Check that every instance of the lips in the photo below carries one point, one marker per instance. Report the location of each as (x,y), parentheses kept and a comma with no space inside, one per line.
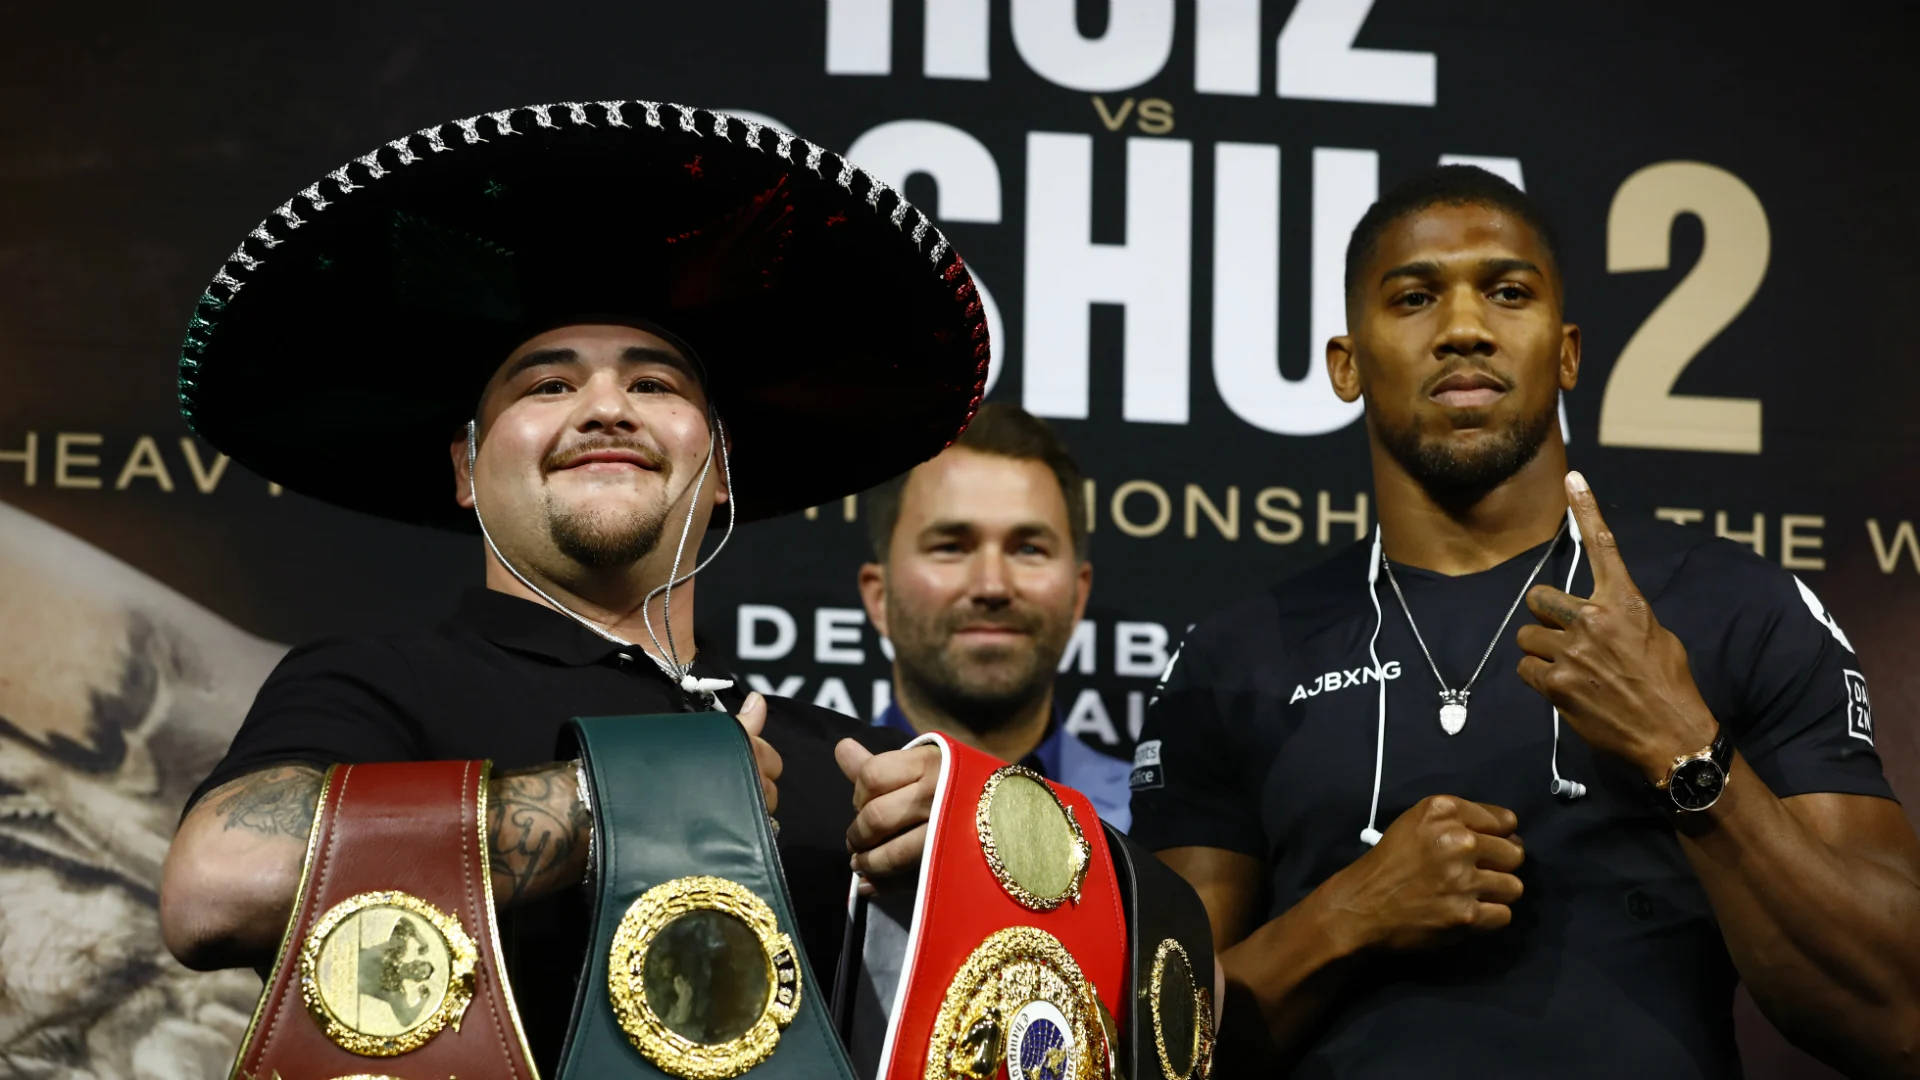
(1468,390)
(608,459)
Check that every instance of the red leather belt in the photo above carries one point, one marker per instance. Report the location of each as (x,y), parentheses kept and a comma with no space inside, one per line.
(390,966)
(1018,944)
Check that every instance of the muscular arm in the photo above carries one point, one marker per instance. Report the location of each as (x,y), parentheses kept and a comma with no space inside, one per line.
(1443,868)
(1819,899)
(230,877)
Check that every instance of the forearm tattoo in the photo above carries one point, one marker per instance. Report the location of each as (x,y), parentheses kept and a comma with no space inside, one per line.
(537,831)
(272,802)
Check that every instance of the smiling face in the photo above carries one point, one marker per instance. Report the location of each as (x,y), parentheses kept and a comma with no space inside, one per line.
(589,440)
(981,585)
(1458,346)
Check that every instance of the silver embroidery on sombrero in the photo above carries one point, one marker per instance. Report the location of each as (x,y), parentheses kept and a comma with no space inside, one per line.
(396,155)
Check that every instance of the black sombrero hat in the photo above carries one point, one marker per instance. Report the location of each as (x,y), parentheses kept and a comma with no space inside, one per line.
(345,342)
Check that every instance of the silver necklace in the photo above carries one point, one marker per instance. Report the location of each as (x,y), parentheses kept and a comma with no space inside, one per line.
(1453,703)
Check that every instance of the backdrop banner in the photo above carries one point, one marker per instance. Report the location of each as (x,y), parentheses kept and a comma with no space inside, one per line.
(1155,199)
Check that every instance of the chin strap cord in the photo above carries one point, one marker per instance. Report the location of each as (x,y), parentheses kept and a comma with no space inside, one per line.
(681,672)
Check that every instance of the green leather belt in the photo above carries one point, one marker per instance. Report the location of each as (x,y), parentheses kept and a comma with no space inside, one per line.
(695,968)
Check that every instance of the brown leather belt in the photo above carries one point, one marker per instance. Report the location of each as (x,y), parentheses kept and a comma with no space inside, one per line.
(390,966)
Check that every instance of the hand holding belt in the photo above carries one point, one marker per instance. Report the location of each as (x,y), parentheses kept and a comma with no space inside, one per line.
(695,968)
(390,966)
(1015,959)
(1169,1022)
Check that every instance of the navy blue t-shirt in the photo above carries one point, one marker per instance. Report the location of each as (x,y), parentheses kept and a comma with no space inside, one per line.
(1262,741)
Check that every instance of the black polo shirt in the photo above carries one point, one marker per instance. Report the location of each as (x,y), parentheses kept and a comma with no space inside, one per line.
(498,680)
(1262,741)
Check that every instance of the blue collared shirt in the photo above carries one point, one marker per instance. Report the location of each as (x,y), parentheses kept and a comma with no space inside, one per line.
(1063,758)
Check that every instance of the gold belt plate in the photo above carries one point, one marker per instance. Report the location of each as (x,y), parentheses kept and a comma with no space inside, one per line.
(383,972)
(702,979)
(1182,1014)
(1033,845)
(1020,998)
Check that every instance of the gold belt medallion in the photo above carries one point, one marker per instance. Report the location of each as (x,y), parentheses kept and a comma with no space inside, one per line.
(1032,843)
(1182,1013)
(383,972)
(702,979)
(1020,998)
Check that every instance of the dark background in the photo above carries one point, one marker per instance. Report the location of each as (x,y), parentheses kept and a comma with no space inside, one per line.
(142,141)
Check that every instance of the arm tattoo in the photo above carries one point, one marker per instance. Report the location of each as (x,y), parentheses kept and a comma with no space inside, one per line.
(272,802)
(536,832)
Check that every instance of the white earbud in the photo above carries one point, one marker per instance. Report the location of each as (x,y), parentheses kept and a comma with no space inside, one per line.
(1370,836)
(1568,789)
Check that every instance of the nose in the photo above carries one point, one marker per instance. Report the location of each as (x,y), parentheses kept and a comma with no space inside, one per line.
(988,585)
(603,404)
(1464,331)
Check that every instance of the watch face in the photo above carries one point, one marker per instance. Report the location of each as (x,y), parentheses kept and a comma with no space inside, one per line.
(1697,784)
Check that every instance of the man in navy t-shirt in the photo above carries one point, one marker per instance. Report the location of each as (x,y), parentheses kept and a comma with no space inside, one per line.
(1439,835)
(979,576)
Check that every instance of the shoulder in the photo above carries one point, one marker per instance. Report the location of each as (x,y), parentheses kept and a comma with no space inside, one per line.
(1274,620)
(1664,558)
(791,719)
(1677,566)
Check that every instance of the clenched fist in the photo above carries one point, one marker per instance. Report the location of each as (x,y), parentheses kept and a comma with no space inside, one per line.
(1445,866)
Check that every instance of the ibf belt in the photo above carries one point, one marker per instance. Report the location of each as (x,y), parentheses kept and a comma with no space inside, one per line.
(390,966)
(695,968)
(1168,1029)
(1013,960)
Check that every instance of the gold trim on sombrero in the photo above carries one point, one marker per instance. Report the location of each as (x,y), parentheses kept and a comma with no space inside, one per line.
(1199,1049)
(1012,969)
(1032,843)
(628,967)
(357,984)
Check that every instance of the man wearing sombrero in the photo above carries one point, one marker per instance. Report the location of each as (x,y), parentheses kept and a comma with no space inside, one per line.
(579,331)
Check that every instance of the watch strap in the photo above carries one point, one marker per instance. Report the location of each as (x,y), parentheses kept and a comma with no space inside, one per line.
(680,825)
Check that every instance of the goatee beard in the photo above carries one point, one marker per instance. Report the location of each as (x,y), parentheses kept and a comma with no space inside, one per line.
(1456,478)
(597,543)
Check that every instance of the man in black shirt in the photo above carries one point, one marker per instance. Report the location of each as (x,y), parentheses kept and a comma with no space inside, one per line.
(564,300)
(1433,845)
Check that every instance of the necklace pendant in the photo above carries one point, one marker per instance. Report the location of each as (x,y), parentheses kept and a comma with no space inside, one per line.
(1453,711)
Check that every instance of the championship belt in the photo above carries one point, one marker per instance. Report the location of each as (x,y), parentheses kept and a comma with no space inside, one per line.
(695,969)
(1169,1028)
(1010,958)
(390,967)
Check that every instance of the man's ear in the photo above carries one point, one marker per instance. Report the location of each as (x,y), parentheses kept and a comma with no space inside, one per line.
(462,485)
(721,492)
(873,593)
(1569,356)
(1082,589)
(1342,369)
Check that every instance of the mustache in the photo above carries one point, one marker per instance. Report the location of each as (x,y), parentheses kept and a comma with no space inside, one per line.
(560,458)
(1008,619)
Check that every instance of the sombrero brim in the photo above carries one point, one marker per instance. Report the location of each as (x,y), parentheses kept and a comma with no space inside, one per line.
(345,342)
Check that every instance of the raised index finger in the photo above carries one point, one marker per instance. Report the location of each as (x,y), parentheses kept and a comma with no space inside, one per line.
(1609,572)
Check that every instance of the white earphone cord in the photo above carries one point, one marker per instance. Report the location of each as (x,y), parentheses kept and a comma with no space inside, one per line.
(671,665)
(1561,787)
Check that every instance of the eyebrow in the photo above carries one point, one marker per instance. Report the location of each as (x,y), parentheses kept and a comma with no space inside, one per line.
(634,354)
(956,527)
(1427,268)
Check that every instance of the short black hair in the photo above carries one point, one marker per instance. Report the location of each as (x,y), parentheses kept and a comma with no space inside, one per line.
(1006,431)
(1444,185)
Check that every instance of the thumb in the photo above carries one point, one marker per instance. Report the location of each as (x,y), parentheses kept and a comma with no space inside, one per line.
(851,757)
(753,713)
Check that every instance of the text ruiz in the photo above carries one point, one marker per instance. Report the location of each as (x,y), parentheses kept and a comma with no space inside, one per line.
(1150,275)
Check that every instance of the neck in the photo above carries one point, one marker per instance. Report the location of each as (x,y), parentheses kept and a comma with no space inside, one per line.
(1465,537)
(614,600)
(1008,741)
